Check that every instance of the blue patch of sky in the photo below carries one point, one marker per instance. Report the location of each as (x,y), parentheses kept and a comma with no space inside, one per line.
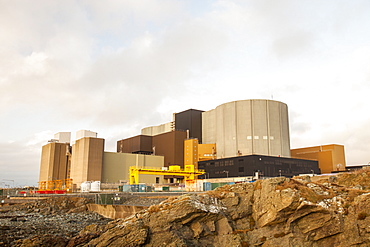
(199,8)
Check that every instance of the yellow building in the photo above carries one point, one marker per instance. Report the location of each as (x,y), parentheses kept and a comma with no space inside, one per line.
(194,152)
(330,157)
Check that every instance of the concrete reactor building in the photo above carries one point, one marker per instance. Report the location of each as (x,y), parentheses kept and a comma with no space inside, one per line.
(248,127)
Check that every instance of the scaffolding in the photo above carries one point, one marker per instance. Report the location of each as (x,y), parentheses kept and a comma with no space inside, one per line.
(55,186)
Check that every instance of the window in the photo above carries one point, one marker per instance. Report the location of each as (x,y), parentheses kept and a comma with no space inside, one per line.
(157,180)
(241,169)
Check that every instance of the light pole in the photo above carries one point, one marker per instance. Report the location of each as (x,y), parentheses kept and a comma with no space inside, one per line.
(9,180)
(279,173)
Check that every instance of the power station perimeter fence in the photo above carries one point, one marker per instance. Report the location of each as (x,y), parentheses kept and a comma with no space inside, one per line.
(108,199)
(15,192)
(135,188)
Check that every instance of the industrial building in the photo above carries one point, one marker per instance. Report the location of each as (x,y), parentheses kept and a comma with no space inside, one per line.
(116,167)
(331,157)
(264,166)
(235,139)
(195,152)
(54,161)
(248,127)
(190,121)
(87,160)
(168,144)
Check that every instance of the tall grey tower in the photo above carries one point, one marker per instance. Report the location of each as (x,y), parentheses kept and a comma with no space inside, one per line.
(248,127)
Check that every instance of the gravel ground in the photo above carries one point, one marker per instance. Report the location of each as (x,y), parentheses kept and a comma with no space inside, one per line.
(26,221)
(60,218)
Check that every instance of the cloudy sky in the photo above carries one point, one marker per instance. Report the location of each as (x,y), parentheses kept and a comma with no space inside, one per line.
(114,67)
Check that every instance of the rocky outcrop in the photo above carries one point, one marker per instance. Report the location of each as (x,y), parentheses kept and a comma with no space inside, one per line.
(269,213)
(115,211)
(273,212)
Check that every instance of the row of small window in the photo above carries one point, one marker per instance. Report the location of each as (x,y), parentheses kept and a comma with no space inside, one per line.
(221,172)
(223,163)
(257,137)
(205,155)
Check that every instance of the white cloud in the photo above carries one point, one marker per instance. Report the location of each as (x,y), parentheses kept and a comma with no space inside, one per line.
(117,66)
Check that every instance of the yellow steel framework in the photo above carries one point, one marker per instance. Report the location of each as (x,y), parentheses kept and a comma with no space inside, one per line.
(65,184)
(68,184)
(42,185)
(189,173)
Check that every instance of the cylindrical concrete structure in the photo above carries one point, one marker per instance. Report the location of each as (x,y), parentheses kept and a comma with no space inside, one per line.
(248,127)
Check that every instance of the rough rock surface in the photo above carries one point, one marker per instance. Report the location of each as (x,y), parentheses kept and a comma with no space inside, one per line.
(272,212)
(47,222)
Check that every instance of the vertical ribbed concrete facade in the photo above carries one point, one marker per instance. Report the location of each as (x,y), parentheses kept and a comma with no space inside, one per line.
(54,161)
(248,127)
(87,160)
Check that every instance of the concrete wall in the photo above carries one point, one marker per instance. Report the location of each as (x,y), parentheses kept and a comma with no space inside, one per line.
(115,211)
(248,127)
(54,161)
(156,130)
(85,133)
(330,157)
(87,160)
(116,167)
(63,137)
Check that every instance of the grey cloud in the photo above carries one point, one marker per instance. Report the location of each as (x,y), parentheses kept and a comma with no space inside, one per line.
(294,43)
(20,163)
(113,66)
(136,80)
(79,84)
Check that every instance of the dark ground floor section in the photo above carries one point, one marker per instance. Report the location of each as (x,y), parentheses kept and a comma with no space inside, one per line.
(268,166)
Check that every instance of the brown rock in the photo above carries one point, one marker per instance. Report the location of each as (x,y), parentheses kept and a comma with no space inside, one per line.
(272,212)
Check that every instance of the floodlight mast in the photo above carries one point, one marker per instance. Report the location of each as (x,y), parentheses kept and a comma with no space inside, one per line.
(9,180)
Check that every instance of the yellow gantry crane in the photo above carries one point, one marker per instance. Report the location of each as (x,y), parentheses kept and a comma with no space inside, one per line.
(190,173)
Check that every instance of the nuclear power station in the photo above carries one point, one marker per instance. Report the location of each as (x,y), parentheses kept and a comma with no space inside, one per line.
(236,141)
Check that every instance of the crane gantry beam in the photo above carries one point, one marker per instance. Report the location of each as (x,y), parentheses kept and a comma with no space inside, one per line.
(189,173)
